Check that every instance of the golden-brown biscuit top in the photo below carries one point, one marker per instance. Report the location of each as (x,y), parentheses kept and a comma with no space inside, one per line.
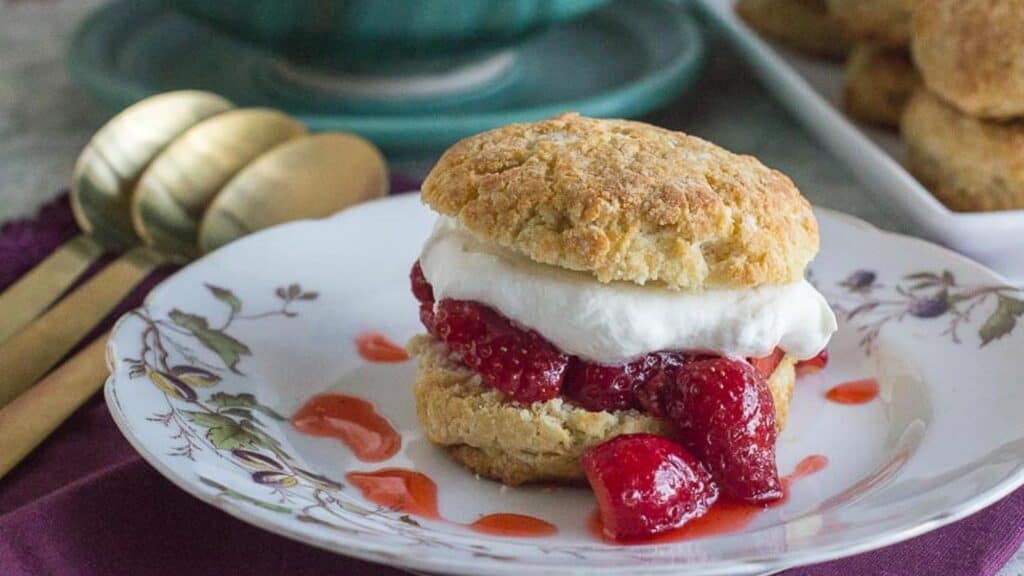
(971,53)
(627,201)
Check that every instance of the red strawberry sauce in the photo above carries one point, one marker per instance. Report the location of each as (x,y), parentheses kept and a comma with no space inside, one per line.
(357,424)
(854,392)
(414,493)
(353,421)
(376,347)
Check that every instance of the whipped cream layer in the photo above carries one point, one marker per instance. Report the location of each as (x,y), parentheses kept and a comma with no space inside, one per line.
(615,322)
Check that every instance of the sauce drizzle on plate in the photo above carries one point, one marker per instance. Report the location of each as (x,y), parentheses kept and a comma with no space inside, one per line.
(353,421)
(854,392)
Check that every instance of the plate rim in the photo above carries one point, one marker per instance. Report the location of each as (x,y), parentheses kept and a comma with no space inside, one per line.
(346,547)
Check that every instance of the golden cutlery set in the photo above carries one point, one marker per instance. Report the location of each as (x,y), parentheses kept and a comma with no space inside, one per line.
(167,180)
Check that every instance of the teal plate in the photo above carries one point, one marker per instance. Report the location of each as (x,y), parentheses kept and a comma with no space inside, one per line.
(621,60)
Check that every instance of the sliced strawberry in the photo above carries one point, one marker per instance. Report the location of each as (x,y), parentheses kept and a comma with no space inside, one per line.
(647,392)
(607,387)
(518,362)
(421,289)
(723,411)
(766,366)
(645,485)
(427,318)
(813,365)
(622,386)
(424,293)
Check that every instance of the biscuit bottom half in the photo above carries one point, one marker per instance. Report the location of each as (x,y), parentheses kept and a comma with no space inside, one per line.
(519,444)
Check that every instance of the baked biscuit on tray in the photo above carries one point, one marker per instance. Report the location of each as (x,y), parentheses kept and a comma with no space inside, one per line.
(878,83)
(971,53)
(803,25)
(967,163)
(882,22)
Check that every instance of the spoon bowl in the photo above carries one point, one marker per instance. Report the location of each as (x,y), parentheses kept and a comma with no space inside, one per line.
(309,177)
(179,184)
(110,165)
(101,188)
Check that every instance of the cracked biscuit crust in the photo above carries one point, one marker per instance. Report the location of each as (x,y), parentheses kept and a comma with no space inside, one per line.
(518,444)
(627,201)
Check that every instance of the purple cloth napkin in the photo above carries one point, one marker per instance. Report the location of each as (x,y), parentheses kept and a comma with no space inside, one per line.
(85,503)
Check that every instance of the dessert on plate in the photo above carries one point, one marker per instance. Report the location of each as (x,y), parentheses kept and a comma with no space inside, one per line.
(611,301)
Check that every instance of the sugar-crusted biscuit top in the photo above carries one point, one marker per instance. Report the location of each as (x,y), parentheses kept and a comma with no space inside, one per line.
(971,53)
(627,201)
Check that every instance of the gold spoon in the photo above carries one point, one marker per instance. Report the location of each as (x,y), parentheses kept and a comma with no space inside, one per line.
(308,177)
(101,185)
(168,199)
(359,173)
(311,177)
(174,192)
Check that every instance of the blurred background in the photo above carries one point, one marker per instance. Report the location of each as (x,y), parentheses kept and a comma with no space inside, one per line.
(412,85)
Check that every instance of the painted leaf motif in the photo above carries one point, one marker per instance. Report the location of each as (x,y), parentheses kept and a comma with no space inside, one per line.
(171,385)
(240,412)
(223,432)
(231,437)
(223,345)
(322,481)
(195,376)
(924,284)
(225,400)
(261,437)
(256,460)
(1002,320)
(243,400)
(228,492)
(274,478)
(226,296)
(207,419)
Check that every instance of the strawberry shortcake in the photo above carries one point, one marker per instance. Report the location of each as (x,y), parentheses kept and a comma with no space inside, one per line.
(606,291)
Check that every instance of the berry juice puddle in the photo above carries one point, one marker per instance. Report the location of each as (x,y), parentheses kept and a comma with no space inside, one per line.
(357,424)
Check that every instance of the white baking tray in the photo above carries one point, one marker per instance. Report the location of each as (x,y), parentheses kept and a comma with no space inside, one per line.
(811,88)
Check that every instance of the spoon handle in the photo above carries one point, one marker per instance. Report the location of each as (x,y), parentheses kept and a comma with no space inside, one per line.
(32,352)
(33,293)
(31,417)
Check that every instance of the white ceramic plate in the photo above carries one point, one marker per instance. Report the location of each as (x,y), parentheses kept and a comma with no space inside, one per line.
(812,90)
(270,321)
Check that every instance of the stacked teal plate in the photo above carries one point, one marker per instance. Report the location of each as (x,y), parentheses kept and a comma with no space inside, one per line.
(622,59)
